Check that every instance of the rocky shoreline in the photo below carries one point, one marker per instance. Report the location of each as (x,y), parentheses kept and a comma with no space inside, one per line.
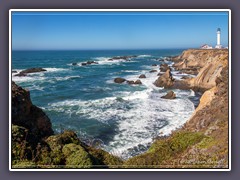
(201,143)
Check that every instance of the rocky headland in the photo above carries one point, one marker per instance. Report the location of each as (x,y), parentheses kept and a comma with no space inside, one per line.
(201,143)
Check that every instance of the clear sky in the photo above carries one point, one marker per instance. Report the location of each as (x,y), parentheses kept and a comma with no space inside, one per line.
(116,30)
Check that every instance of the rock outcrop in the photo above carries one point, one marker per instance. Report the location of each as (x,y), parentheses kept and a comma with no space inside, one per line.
(27,115)
(166,80)
(126,58)
(191,61)
(169,95)
(89,63)
(30,70)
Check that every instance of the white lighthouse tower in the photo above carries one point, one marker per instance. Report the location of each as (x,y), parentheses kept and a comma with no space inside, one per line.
(218,46)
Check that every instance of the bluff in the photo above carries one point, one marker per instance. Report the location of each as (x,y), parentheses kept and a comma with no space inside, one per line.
(206,64)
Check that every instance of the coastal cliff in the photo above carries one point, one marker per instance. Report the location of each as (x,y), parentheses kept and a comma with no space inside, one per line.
(203,141)
(34,144)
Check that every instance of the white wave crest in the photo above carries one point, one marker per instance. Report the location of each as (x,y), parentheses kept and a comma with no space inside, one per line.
(141,116)
(144,55)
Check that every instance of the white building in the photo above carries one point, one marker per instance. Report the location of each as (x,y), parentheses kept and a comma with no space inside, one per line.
(206,46)
(218,46)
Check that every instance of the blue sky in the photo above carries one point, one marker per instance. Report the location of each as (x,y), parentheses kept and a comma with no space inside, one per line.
(116,30)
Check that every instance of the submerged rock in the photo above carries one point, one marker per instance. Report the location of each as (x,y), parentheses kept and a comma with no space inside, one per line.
(169,95)
(153,71)
(74,64)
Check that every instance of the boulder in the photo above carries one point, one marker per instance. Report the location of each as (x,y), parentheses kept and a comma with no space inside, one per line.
(154,64)
(30,70)
(169,95)
(142,76)
(166,80)
(119,80)
(138,82)
(84,64)
(153,71)
(74,64)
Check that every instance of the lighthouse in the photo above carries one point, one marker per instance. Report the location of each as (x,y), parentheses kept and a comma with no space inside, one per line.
(218,46)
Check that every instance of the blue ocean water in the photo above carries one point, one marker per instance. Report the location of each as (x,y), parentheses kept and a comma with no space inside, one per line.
(123,118)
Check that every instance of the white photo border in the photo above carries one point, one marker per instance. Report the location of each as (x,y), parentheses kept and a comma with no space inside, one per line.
(121,10)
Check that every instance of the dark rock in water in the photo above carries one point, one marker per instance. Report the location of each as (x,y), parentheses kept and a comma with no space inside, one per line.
(14,71)
(30,70)
(25,114)
(74,64)
(153,71)
(89,63)
(130,82)
(138,82)
(119,80)
(164,67)
(166,80)
(142,76)
(127,58)
(160,59)
(92,62)
(169,95)
(154,64)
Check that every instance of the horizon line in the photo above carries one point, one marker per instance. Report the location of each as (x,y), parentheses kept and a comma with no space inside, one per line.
(102,49)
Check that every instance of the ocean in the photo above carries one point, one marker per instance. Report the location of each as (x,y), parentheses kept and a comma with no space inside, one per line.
(122,119)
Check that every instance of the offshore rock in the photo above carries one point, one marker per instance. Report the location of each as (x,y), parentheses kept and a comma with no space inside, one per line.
(166,80)
(119,80)
(169,95)
(30,70)
(142,76)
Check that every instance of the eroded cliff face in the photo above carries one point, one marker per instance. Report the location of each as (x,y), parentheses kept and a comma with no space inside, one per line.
(27,115)
(207,65)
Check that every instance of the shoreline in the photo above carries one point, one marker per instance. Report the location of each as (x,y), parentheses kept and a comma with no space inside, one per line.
(199,137)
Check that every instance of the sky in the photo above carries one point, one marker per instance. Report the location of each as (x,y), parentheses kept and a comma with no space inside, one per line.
(116,30)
